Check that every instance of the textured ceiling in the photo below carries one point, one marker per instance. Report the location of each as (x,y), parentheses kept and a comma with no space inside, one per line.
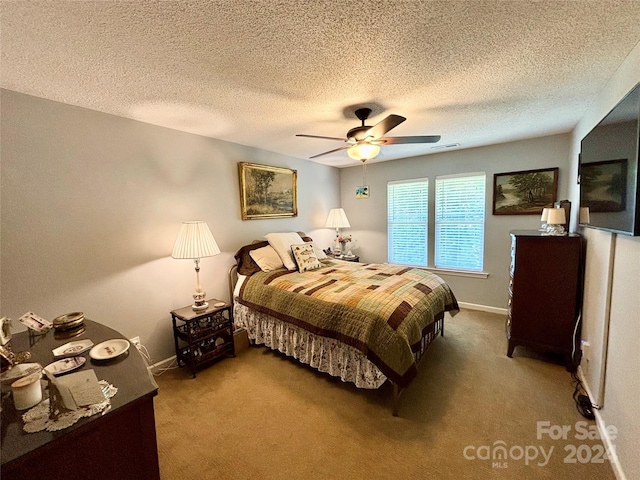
(258,72)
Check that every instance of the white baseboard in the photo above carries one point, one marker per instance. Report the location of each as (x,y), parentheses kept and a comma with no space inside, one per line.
(604,434)
(483,308)
(162,364)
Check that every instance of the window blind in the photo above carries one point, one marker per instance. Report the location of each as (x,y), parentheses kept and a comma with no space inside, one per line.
(407,221)
(459,221)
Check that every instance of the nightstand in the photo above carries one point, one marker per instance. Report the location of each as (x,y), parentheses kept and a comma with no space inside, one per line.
(353,258)
(201,337)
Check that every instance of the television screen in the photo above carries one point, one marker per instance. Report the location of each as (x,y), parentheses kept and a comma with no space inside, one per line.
(609,169)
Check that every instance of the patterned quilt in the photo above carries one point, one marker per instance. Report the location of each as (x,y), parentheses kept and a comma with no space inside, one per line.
(382,310)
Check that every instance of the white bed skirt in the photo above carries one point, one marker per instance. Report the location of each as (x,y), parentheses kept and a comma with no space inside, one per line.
(325,354)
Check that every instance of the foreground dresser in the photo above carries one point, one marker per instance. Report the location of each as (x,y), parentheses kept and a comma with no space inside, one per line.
(117,445)
(545,294)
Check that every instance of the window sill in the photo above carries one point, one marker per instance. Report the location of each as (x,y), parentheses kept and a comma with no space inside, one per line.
(458,273)
(449,271)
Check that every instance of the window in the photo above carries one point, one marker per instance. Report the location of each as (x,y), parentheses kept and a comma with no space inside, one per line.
(459,222)
(407,221)
(459,233)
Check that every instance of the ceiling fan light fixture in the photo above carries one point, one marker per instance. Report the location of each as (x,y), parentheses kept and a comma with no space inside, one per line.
(363,142)
(363,151)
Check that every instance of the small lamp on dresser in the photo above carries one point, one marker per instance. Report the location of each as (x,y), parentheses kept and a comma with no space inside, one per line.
(543,219)
(195,241)
(556,220)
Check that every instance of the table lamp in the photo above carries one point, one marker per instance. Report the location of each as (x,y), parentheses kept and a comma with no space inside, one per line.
(556,220)
(195,241)
(543,219)
(337,219)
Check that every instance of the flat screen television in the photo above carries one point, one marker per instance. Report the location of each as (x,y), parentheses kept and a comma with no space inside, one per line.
(609,170)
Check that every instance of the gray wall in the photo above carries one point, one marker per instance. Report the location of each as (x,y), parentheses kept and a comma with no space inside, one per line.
(92,204)
(368,216)
(611,368)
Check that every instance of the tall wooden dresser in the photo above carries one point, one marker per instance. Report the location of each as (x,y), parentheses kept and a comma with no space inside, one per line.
(545,294)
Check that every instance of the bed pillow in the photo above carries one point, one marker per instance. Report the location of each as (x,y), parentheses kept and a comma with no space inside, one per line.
(319,252)
(305,257)
(246,264)
(281,243)
(266,258)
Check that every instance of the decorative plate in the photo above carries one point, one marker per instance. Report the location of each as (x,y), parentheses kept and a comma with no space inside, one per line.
(68,320)
(109,349)
(69,333)
(73,348)
(65,365)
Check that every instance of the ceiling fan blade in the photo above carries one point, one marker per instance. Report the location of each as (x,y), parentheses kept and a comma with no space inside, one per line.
(318,136)
(332,151)
(386,124)
(415,139)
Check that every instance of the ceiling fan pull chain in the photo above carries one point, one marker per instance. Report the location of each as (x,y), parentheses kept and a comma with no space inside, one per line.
(364,173)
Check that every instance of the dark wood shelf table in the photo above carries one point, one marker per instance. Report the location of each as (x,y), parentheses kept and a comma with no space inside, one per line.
(203,337)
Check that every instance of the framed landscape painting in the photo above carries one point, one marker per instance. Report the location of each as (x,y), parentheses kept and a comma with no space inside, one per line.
(524,193)
(267,192)
(603,185)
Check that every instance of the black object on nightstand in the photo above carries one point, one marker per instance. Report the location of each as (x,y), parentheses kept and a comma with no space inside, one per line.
(201,337)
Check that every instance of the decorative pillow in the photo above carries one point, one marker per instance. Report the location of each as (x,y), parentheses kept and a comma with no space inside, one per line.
(305,257)
(266,258)
(281,243)
(246,264)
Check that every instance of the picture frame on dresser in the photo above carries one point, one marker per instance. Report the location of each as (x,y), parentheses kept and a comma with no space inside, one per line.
(525,192)
(267,191)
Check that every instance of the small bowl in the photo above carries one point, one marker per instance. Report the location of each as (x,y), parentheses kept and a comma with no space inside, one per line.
(68,321)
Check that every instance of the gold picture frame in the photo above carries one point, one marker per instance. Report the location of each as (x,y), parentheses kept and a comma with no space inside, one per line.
(525,192)
(267,192)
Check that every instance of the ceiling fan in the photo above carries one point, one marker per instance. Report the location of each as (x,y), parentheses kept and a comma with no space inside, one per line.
(364,141)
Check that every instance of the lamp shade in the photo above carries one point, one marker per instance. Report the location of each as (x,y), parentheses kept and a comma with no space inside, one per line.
(556,216)
(337,219)
(545,215)
(585,217)
(363,151)
(195,241)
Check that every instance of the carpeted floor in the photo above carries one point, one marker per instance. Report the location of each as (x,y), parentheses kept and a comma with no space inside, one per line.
(263,416)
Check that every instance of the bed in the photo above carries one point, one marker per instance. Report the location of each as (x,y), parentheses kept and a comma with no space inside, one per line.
(364,323)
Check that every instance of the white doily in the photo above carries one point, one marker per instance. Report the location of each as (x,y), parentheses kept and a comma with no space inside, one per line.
(37,419)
